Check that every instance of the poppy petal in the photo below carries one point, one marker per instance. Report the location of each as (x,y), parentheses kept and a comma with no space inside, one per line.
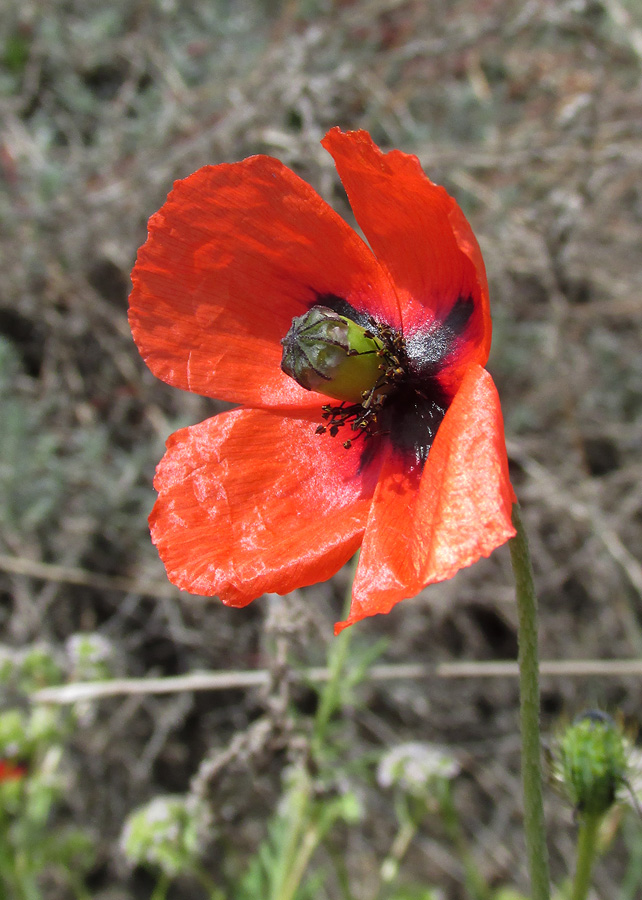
(234,254)
(420,235)
(11,771)
(424,527)
(253,502)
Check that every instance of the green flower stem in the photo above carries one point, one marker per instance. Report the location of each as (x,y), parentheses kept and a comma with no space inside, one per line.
(289,849)
(308,845)
(25,878)
(213,892)
(303,834)
(389,870)
(162,887)
(331,693)
(330,698)
(534,824)
(586,853)
(475,883)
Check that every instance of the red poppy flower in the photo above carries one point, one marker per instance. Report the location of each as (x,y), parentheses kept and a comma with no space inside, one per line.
(11,771)
(256,500)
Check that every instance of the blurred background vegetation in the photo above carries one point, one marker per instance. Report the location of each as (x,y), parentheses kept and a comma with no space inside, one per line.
(530,113)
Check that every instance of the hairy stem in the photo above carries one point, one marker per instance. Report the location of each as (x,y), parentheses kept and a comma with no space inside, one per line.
(586,853)
(534,824)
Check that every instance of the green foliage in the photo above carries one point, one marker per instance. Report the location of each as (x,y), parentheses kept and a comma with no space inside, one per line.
(165,834)
(16,53)
(33,738)
(30,845)
(37,668)
(264,875)
(13,733)
(509,894)
(415,892)
(90,656)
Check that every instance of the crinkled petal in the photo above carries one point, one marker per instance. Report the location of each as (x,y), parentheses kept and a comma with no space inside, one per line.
(420,235)
(425,526)
(253,502)
(234,254)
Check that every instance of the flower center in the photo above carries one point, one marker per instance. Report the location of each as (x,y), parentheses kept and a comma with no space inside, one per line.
(360,366)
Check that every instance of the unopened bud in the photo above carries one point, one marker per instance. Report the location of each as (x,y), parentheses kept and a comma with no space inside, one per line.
(593,762)
(331,354)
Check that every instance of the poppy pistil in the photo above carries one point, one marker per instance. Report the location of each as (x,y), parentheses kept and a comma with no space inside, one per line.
(330,353)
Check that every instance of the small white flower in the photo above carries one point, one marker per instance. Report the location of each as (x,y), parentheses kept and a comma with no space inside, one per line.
(158,810)
(165,833)
(88,649)
(414,765)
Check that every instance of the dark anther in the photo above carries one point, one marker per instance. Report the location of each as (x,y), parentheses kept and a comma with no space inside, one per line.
(395,400)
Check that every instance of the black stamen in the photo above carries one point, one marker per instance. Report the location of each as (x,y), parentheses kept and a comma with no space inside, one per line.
(407,404)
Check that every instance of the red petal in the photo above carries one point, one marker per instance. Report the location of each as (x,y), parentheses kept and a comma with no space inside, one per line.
(252,502)
(419,234)
(237,251)
(10,771)
(423,529)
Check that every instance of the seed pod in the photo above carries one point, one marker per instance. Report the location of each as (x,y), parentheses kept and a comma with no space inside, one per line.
(329,353)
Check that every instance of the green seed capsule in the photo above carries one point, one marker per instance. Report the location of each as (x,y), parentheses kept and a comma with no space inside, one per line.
(331,354)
